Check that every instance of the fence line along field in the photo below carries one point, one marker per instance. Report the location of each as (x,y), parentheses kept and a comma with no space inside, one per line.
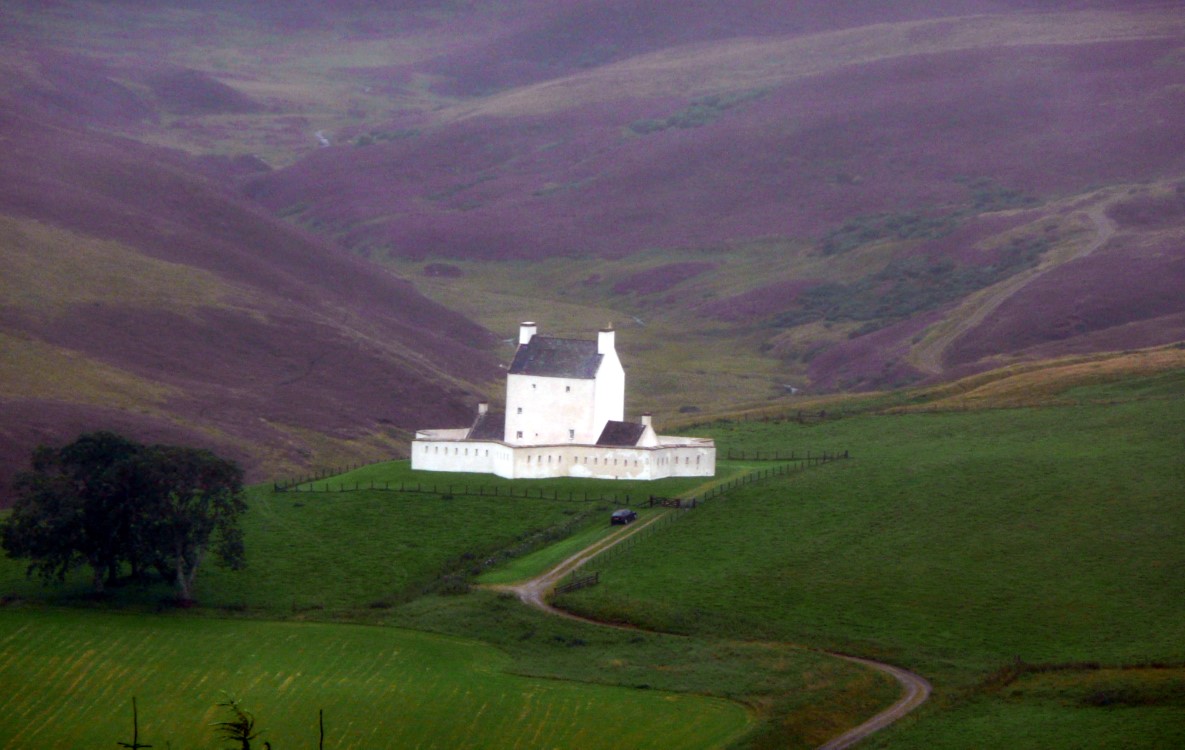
(72,676)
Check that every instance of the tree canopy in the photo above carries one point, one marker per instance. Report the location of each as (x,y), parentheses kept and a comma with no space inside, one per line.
(105,501)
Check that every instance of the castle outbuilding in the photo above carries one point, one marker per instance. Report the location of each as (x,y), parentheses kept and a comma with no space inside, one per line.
(565,417)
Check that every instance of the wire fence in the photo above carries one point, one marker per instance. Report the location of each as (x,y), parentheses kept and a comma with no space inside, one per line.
(458,490)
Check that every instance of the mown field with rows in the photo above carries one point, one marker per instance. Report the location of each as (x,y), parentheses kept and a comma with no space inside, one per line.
(71,677)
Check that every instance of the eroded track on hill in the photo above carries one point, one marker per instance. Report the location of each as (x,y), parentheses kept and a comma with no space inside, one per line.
(928,355)
(536,591)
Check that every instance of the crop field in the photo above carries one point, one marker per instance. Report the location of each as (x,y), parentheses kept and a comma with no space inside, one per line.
(954,544)
(378,687)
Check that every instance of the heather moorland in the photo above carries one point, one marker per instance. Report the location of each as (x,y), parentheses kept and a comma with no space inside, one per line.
(947,238)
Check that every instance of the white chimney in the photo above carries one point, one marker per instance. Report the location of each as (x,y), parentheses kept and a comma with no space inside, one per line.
(647,420)
(526,331)
(483,408)
(605,340)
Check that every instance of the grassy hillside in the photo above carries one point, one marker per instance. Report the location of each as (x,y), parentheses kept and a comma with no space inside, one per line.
(956,543)
(1020,557)
(385,558)
(142,295)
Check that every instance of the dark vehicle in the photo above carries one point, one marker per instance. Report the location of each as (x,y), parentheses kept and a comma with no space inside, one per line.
(622,517)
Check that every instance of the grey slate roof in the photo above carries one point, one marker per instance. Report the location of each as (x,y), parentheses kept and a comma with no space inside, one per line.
(557,358)
(621,433)
(488,426)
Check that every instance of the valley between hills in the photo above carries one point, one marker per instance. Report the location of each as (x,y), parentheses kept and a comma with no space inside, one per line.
(947,237)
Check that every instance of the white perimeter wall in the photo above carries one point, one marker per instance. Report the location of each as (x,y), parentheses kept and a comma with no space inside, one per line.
(674,457)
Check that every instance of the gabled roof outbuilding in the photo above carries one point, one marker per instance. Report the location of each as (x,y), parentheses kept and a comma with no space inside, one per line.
(621,434)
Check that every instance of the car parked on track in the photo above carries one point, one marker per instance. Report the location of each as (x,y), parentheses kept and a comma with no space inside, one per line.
(622,517)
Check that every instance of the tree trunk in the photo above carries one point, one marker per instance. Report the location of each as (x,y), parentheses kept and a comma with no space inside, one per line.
(183,593)
(193,569)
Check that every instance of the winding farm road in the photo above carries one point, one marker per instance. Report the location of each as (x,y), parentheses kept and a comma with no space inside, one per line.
(535,592)
(927,355)
(917,691)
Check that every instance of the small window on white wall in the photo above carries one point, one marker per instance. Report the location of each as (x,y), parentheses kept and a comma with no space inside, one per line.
(520,411)
(567,389)
(571,434)
(518,434)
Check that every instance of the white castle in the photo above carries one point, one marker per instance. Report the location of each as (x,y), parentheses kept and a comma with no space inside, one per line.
(565,417)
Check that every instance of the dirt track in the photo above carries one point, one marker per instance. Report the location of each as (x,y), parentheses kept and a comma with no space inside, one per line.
(917,691)
(927,355)
(534,593)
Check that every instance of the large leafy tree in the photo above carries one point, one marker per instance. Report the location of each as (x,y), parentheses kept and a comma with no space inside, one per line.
(192,502)
(68,510)
(106,501)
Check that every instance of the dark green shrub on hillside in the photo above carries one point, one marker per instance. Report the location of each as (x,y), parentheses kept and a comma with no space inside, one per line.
(906,286)
(700,112)
(862,230)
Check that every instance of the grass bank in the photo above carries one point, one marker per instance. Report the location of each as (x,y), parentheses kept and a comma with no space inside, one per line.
(952,543)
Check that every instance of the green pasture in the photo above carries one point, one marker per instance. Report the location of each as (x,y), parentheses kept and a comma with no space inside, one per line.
(72,676)
(1085,710)
(543,560)
(353,554)
(801,698)
(952,543)
(375,556)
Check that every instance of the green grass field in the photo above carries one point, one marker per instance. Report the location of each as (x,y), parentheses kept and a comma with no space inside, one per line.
(372,556)
(75,674)
(951,544)
(348,555)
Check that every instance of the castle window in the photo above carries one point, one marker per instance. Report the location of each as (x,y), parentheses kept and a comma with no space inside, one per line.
(519,434)
(520,410)
(567,389)
(571,434)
